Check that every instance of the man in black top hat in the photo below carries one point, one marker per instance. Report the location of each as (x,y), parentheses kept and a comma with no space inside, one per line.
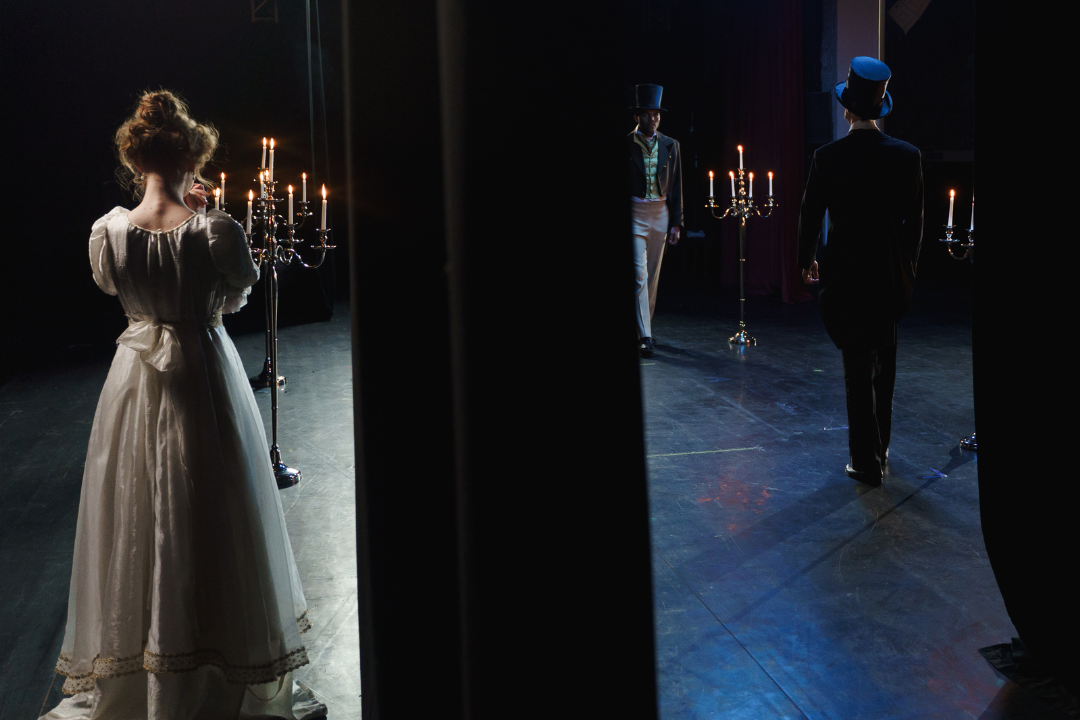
(655,202)
(872,186)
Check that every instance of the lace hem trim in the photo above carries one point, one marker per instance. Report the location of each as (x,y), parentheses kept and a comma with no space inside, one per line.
(178,663)
(183,662)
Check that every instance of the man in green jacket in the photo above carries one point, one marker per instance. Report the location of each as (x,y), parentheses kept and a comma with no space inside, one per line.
(655,202)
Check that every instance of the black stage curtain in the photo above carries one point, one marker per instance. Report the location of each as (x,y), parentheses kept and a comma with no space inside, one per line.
(502,518)
(1024,403)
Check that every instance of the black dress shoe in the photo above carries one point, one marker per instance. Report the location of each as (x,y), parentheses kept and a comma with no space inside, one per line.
(646,347)
(864,476)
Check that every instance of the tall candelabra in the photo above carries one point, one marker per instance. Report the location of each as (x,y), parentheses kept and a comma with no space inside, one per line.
(267,249)
(952,244)
(742,208)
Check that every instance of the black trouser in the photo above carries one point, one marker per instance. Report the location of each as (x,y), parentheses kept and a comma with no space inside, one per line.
(869,377)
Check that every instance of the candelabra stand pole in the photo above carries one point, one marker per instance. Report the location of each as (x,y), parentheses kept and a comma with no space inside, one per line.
(286,476)
(262,380)
(969,443)
(742,337)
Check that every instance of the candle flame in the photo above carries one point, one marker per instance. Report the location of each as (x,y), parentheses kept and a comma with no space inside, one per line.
(952,193)
(217,192)
(222,177)
(271,143)
(770,174)
(264,142)
(731,174)
(304,175)
(739,148)
(710,175)
(324,192)
(751,176)
(251,195)
(290,189)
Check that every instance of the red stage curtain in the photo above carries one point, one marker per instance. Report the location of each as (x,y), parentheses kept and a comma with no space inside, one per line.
(761,82)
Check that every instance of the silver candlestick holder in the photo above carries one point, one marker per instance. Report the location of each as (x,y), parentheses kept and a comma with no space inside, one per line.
(268,250)
(960,250)
(742,208)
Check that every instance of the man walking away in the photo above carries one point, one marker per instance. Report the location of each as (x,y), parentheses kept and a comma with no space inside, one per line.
(872,186)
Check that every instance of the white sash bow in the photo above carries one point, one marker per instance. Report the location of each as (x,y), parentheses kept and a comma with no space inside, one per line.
(156,342)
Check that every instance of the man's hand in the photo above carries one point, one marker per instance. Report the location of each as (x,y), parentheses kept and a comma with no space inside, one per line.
(810,274)
(673,235)
(197,198)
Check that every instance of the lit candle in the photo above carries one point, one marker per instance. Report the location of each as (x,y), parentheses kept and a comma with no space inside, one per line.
(770,183)
(251,196)
(731,174)
(304,197)
(952,197)
(223,186)
(262,184)
(290,205)
(323,228)
(217,198)
(740,157)
(751,185)
(710,183)
(972,228)
(270,175)
(262,163)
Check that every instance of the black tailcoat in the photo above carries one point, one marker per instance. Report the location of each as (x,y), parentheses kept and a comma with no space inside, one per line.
(668,174)
(872,186)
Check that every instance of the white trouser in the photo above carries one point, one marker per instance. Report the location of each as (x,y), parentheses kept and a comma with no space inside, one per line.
(650,227)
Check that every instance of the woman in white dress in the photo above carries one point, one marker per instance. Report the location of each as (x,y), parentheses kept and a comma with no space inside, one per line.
(184,590)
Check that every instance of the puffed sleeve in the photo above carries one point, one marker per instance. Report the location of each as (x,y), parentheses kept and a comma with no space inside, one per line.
(232,258)
(101,261)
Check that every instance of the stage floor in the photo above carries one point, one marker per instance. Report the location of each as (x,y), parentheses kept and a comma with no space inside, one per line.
(783,589)
(45,419)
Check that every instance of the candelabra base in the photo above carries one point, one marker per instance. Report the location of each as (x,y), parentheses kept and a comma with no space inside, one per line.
(284,475)
(262,380)
(742,338)
(969,444)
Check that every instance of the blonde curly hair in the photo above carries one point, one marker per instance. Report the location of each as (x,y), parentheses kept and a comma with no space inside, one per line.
(160,134)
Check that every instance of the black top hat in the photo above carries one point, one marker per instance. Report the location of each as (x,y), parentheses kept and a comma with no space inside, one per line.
(647,97)
(864,91)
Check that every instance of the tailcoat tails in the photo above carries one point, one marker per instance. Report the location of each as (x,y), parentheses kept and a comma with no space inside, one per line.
(872,186)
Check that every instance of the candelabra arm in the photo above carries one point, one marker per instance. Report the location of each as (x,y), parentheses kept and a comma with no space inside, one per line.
(322,246)
(951,243)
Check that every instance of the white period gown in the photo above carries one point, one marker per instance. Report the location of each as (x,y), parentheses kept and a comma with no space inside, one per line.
(183,574)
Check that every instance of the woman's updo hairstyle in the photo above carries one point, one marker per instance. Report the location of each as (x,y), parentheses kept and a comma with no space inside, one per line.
(161,136)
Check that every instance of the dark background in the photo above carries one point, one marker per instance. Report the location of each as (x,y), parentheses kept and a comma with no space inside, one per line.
(751,74)
(73,72)
(732,72)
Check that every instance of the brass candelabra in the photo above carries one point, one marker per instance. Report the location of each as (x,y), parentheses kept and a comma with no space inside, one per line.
(742,208)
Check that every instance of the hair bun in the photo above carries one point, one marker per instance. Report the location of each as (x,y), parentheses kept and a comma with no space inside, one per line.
(160,134)
(157,109)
